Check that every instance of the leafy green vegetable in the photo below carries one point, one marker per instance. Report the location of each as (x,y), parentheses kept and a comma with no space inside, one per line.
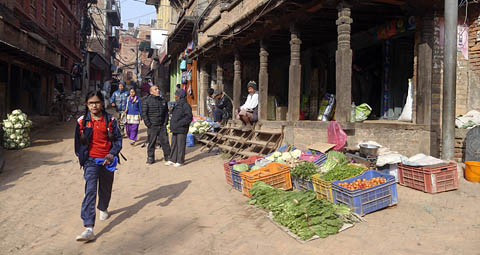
(300,211)
(241,167)
(337,156)
(341,172)
(304,170)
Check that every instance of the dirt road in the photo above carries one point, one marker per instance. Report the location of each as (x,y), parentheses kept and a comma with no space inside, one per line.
(191,210)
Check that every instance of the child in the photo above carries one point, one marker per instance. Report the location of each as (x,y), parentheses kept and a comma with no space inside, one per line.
(179,124)
(97,144)
(133,110)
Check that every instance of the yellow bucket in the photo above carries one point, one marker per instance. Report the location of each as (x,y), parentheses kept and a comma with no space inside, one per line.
(472,171)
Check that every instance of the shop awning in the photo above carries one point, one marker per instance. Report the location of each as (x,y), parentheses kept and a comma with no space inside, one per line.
(98,61)
(183,30)
(17,53)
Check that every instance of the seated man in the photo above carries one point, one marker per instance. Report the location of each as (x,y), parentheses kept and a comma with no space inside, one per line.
(248,112)
(210,102)
(223,108)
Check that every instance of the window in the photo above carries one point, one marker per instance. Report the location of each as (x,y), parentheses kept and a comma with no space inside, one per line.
(44,8)
(71,35)
(33,7)
(62,18)
(148,37)
(54,17)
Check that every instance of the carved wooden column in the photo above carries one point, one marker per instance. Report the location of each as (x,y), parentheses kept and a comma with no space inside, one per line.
(237,81)
(343,65)
(203,89)
(263,83)
(219,75)
(424,71)
(295,76)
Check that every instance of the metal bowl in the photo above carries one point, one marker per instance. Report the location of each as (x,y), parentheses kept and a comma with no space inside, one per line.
(369,150)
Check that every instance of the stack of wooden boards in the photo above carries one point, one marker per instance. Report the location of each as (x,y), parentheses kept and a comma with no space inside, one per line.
(243,144)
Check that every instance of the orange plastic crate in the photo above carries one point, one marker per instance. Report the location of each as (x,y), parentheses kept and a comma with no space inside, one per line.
(275,174)
(429,179)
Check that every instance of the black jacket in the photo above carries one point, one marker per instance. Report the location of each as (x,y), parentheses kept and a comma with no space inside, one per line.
(225,104)
(181,117)
(154,111)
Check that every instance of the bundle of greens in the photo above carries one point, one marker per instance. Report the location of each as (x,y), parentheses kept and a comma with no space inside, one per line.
(300,211)
(342,171)
(333,159)
(304,170)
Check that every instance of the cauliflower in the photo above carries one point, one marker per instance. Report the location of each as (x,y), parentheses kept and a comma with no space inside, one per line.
(7,124)
(296,153)
(13,136)
(18,125)
(17,112)
(277,154)
(286,156)
(22,118)
(192,130)
(270,158)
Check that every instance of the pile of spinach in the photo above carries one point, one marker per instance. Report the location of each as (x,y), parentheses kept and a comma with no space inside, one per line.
(300,211)
(304,170)
(342,171)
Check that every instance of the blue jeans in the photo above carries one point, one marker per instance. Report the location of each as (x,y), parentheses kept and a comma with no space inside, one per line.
(217,115)
(94,174)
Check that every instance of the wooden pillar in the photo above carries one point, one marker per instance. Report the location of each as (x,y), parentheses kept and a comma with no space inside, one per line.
(203,90)
(343,65)
(219,75)
(263,83)
(295,76)
(424,72)
(8,106)
(237,81)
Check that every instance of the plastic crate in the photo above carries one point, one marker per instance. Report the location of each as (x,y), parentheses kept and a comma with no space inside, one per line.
(322,188)
(236,180)
(363,201)
(228,172)
(275,174)
(301,184)
(429,179)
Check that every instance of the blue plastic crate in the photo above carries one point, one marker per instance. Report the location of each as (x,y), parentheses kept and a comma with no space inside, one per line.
(236,180)
(364,201)
(320,160)
(301,184)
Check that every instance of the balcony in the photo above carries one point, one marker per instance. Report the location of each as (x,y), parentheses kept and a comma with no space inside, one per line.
(113,15)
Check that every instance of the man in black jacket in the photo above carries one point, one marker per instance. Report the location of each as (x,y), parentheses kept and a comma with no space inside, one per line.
(223,108)
(155,116)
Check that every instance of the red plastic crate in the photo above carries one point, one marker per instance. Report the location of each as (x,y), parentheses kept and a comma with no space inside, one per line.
(228,172)
(429,179)
(228,169)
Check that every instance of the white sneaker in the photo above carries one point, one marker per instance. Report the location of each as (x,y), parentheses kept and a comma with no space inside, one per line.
(177,165)
(86,236)
(169,163)
(103,215)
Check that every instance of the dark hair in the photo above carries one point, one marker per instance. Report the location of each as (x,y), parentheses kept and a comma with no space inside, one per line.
(133,90)
(178,86)
(91,94)
(210,91)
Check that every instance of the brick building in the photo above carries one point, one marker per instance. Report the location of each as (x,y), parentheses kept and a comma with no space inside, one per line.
(298,51)
(134,52)
(102,43)
(39,44)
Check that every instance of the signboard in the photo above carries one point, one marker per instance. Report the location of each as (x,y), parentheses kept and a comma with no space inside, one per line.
(157,37)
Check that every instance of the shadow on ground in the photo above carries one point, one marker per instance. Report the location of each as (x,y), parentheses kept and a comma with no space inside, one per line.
(170,192)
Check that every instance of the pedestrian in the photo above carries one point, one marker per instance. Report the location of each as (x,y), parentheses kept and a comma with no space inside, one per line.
(107,86)
(145,89)
(179,124)
(133,111)
(248,112)
(155,116)
(97,144)
(119,102)
(223,108)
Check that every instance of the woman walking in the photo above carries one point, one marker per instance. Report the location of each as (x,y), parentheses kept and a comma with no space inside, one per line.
(179,124)
(97,144)
(134,111)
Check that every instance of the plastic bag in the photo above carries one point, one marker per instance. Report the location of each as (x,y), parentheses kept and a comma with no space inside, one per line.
(362,112)
(407,109)
(190,140)
(336,135)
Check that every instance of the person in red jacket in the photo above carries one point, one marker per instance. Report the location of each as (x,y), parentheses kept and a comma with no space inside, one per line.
(98,142)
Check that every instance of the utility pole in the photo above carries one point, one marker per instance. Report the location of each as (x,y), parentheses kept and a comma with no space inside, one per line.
(449,79)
